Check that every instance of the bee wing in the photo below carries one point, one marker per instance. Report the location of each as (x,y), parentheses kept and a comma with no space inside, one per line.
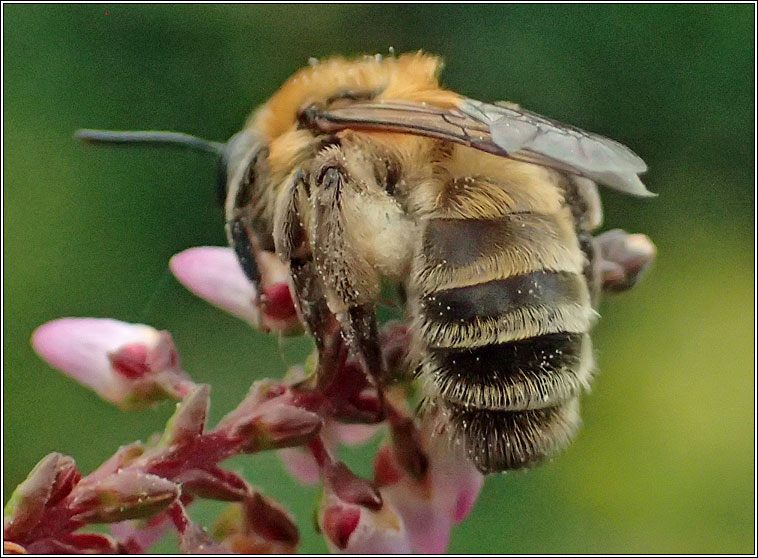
(501,129)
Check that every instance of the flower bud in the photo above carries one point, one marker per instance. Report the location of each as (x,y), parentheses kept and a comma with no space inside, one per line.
(213,483)
(270,522)
(338,523)
(276,423)
(188,421)
(213,273)
(131,365)
(362,523)
(76,543)
(66,478)
(349,488)
(27,503)
(623,258)
(123,495)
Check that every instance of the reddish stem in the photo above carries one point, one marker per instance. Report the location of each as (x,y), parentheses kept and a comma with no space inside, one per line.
(319,451)
(178,517)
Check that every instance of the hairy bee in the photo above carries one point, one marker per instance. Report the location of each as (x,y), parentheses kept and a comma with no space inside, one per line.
(361,171)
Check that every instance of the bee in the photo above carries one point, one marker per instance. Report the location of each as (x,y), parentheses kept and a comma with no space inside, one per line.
(363,171)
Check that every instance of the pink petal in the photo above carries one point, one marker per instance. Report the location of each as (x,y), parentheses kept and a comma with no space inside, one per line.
(427,524)
(457,482)
(131,365)
(355,434)
(339,523)
(214,274)
(429,506)
(465,503)
(141,533)
(301,464)
(380,532)
(354,529)
(80,347)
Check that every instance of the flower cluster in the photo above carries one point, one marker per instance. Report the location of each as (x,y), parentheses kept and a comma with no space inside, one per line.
(421,487)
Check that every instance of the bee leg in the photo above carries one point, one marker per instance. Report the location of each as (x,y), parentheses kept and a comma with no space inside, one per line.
(349,280)
(245,245)
(622,258)
(292,246)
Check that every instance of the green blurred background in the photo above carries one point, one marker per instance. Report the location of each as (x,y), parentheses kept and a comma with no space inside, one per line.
(665,460)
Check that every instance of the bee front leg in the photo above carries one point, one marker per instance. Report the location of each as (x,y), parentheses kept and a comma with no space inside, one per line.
(292,247)
(349,280)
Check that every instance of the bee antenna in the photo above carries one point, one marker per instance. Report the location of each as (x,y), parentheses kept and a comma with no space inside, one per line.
(155,137)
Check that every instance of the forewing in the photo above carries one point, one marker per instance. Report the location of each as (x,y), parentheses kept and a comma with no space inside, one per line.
(528,136)
(503,129)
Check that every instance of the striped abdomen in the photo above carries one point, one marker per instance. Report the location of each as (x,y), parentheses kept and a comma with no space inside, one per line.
(502,311)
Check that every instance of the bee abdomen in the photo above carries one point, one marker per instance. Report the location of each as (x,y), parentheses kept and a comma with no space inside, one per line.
(518,307)
(530,373)
(505,440)
(502,309)
(466,251)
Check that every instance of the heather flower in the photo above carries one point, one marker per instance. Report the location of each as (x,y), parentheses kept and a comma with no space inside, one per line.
(126,494)
(27,504)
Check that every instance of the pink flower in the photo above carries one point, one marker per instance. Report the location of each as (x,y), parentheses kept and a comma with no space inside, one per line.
(300,462)
(214,274)
(431,501)
(354,518)
(131,365)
